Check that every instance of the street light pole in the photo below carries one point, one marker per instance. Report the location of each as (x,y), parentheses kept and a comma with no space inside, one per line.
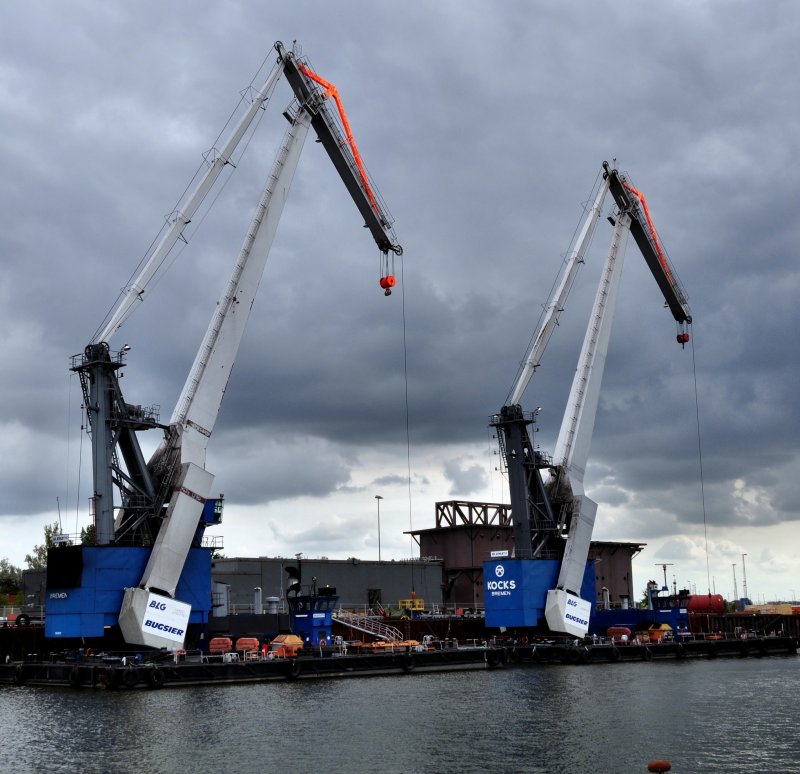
(379,498)
(744,578)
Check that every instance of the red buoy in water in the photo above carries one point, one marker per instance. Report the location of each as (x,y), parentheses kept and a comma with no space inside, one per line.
(660,766)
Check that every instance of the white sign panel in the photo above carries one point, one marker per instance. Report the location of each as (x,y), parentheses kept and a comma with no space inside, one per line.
(153,620)
(499,554)
(564,612)
(166,618)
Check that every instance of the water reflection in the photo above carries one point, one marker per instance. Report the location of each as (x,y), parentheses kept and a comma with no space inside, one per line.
(733,715)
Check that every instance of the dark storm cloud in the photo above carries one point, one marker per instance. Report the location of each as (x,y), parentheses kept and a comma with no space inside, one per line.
(391,481)
(484,127)
(466,479)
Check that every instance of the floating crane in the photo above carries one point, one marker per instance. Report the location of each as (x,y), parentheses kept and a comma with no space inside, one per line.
(165,502)
(552,517)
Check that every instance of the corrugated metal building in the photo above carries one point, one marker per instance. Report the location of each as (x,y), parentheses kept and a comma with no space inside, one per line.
(359,584)
(449,572)
(466,534)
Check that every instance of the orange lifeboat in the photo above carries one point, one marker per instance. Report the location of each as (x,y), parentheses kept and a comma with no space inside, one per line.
(220,645)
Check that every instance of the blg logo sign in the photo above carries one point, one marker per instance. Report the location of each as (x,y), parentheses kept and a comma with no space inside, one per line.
(500,587)
(166,618)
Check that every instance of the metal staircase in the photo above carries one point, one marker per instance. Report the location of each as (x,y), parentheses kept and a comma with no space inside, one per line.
(368,625)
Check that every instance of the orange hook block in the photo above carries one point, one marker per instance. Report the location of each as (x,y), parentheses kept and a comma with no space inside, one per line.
(387,283)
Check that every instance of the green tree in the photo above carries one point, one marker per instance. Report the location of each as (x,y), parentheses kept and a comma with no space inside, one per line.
(10,578)
(88,535)
(37,559)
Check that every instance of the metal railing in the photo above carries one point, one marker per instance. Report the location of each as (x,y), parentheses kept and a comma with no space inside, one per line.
(369,625)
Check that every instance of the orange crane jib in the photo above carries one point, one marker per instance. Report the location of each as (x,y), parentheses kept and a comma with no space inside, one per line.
(662,260)
(332,91)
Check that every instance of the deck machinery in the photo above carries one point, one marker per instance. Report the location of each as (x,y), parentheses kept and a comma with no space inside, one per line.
(552,516)
(149,569)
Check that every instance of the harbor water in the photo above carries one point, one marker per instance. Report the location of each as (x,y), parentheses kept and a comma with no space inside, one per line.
(723,715)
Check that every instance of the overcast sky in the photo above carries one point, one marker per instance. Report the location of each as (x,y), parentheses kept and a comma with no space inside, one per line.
(484,125)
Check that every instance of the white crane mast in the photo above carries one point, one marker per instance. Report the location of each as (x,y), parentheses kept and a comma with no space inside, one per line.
(184,215)
(575,437)
(199,404)
(556,303)
(202,393)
